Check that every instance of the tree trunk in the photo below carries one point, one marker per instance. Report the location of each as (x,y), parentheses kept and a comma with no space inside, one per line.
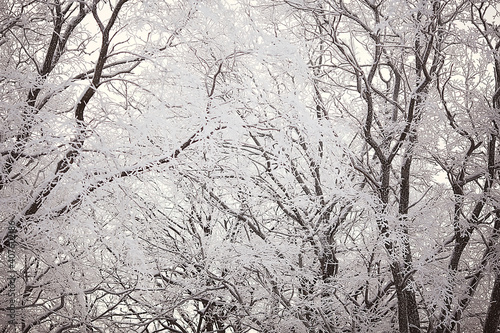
(493,316)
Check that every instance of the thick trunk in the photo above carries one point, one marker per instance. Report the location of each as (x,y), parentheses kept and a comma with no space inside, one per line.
(404,204)
(402,298)
(493,316)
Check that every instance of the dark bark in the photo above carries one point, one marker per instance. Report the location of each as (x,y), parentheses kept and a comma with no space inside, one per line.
(493,316)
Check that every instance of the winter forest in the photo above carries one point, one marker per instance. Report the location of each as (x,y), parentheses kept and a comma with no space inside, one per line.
(255,166)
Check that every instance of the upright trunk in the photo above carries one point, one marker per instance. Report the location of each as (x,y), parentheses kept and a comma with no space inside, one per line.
(408,318)
(493,315)
(404,204)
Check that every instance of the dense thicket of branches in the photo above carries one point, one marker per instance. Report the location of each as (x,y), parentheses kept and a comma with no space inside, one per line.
(237,166)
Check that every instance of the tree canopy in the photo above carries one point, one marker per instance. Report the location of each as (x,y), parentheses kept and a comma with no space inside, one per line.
(231,166)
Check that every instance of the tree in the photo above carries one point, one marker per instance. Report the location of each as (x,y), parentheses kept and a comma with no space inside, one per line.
(395,57)
(279,166)
(72,135)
